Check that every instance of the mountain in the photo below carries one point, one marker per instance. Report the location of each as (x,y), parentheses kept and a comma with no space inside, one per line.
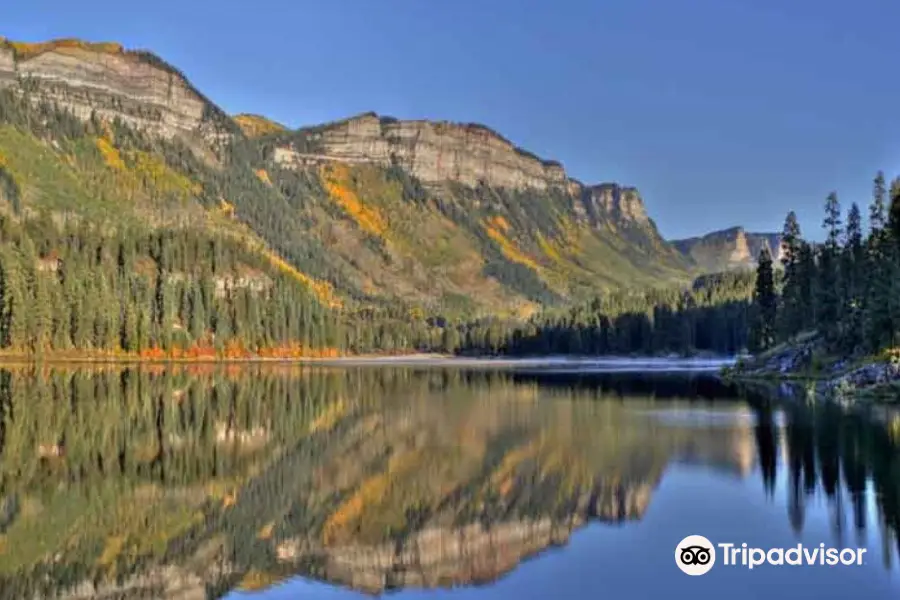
(441,211)
(728,249)
(428,216)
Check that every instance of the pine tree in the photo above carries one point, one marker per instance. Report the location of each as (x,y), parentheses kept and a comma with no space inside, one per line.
(877,215)
(894,217)
(807,275)
(877,322)
(791,314)
(852,286)
(197,320)
(829,297)
(762,335)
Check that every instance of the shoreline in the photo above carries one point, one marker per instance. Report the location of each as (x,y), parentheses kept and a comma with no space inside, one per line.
(845,380)
(550,360)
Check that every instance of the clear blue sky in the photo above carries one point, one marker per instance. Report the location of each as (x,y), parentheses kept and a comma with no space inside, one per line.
(722,112)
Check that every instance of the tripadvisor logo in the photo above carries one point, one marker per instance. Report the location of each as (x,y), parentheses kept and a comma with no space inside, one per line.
(696,555)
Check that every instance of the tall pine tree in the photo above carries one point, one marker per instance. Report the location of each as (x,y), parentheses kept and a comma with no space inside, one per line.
(792,309)
(877,323)
(852,285)
(765,305)
(829,296)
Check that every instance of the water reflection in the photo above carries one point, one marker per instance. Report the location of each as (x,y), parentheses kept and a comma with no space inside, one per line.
(147,483)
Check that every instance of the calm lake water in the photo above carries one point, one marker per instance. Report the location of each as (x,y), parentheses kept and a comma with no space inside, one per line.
(263,483)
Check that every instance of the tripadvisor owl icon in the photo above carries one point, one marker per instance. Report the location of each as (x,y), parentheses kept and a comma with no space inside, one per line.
(695,555)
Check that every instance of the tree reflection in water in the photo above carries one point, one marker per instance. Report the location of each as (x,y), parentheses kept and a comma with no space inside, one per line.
(205,478)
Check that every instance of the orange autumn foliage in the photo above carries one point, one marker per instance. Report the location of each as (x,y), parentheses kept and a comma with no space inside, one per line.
(263,176)
(509,249)
(500,223)
(234,350)
(110,154)
(25,50)
(336,179)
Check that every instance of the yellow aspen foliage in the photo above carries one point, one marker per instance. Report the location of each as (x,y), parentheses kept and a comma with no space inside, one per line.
(257,126)
(155,172)
(336,179)
(111,550)
(548,249)
(110,154)
(227,208)
(322,289)
(509,249)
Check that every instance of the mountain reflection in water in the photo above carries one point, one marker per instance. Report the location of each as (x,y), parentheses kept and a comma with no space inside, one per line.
(190,482)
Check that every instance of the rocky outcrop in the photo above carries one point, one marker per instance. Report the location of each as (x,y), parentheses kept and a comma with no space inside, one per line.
(107,81)
(615,202)
(808,371)
(728,249)
(7,65)
(432,151)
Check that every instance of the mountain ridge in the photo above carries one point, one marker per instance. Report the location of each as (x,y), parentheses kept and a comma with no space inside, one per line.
(730,248)
(421,213)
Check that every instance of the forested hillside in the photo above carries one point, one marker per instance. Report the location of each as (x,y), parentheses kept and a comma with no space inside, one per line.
(138,219)
(437,217)
(843,293)
(712,316)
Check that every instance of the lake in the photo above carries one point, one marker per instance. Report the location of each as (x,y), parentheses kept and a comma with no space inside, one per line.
(265,482)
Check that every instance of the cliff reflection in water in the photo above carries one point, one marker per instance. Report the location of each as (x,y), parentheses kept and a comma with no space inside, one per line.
(146,483)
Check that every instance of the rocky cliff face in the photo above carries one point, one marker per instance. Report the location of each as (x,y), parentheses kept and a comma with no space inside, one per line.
(438,152)
(107,81)
(432,151)
(729,249)
(614,202)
